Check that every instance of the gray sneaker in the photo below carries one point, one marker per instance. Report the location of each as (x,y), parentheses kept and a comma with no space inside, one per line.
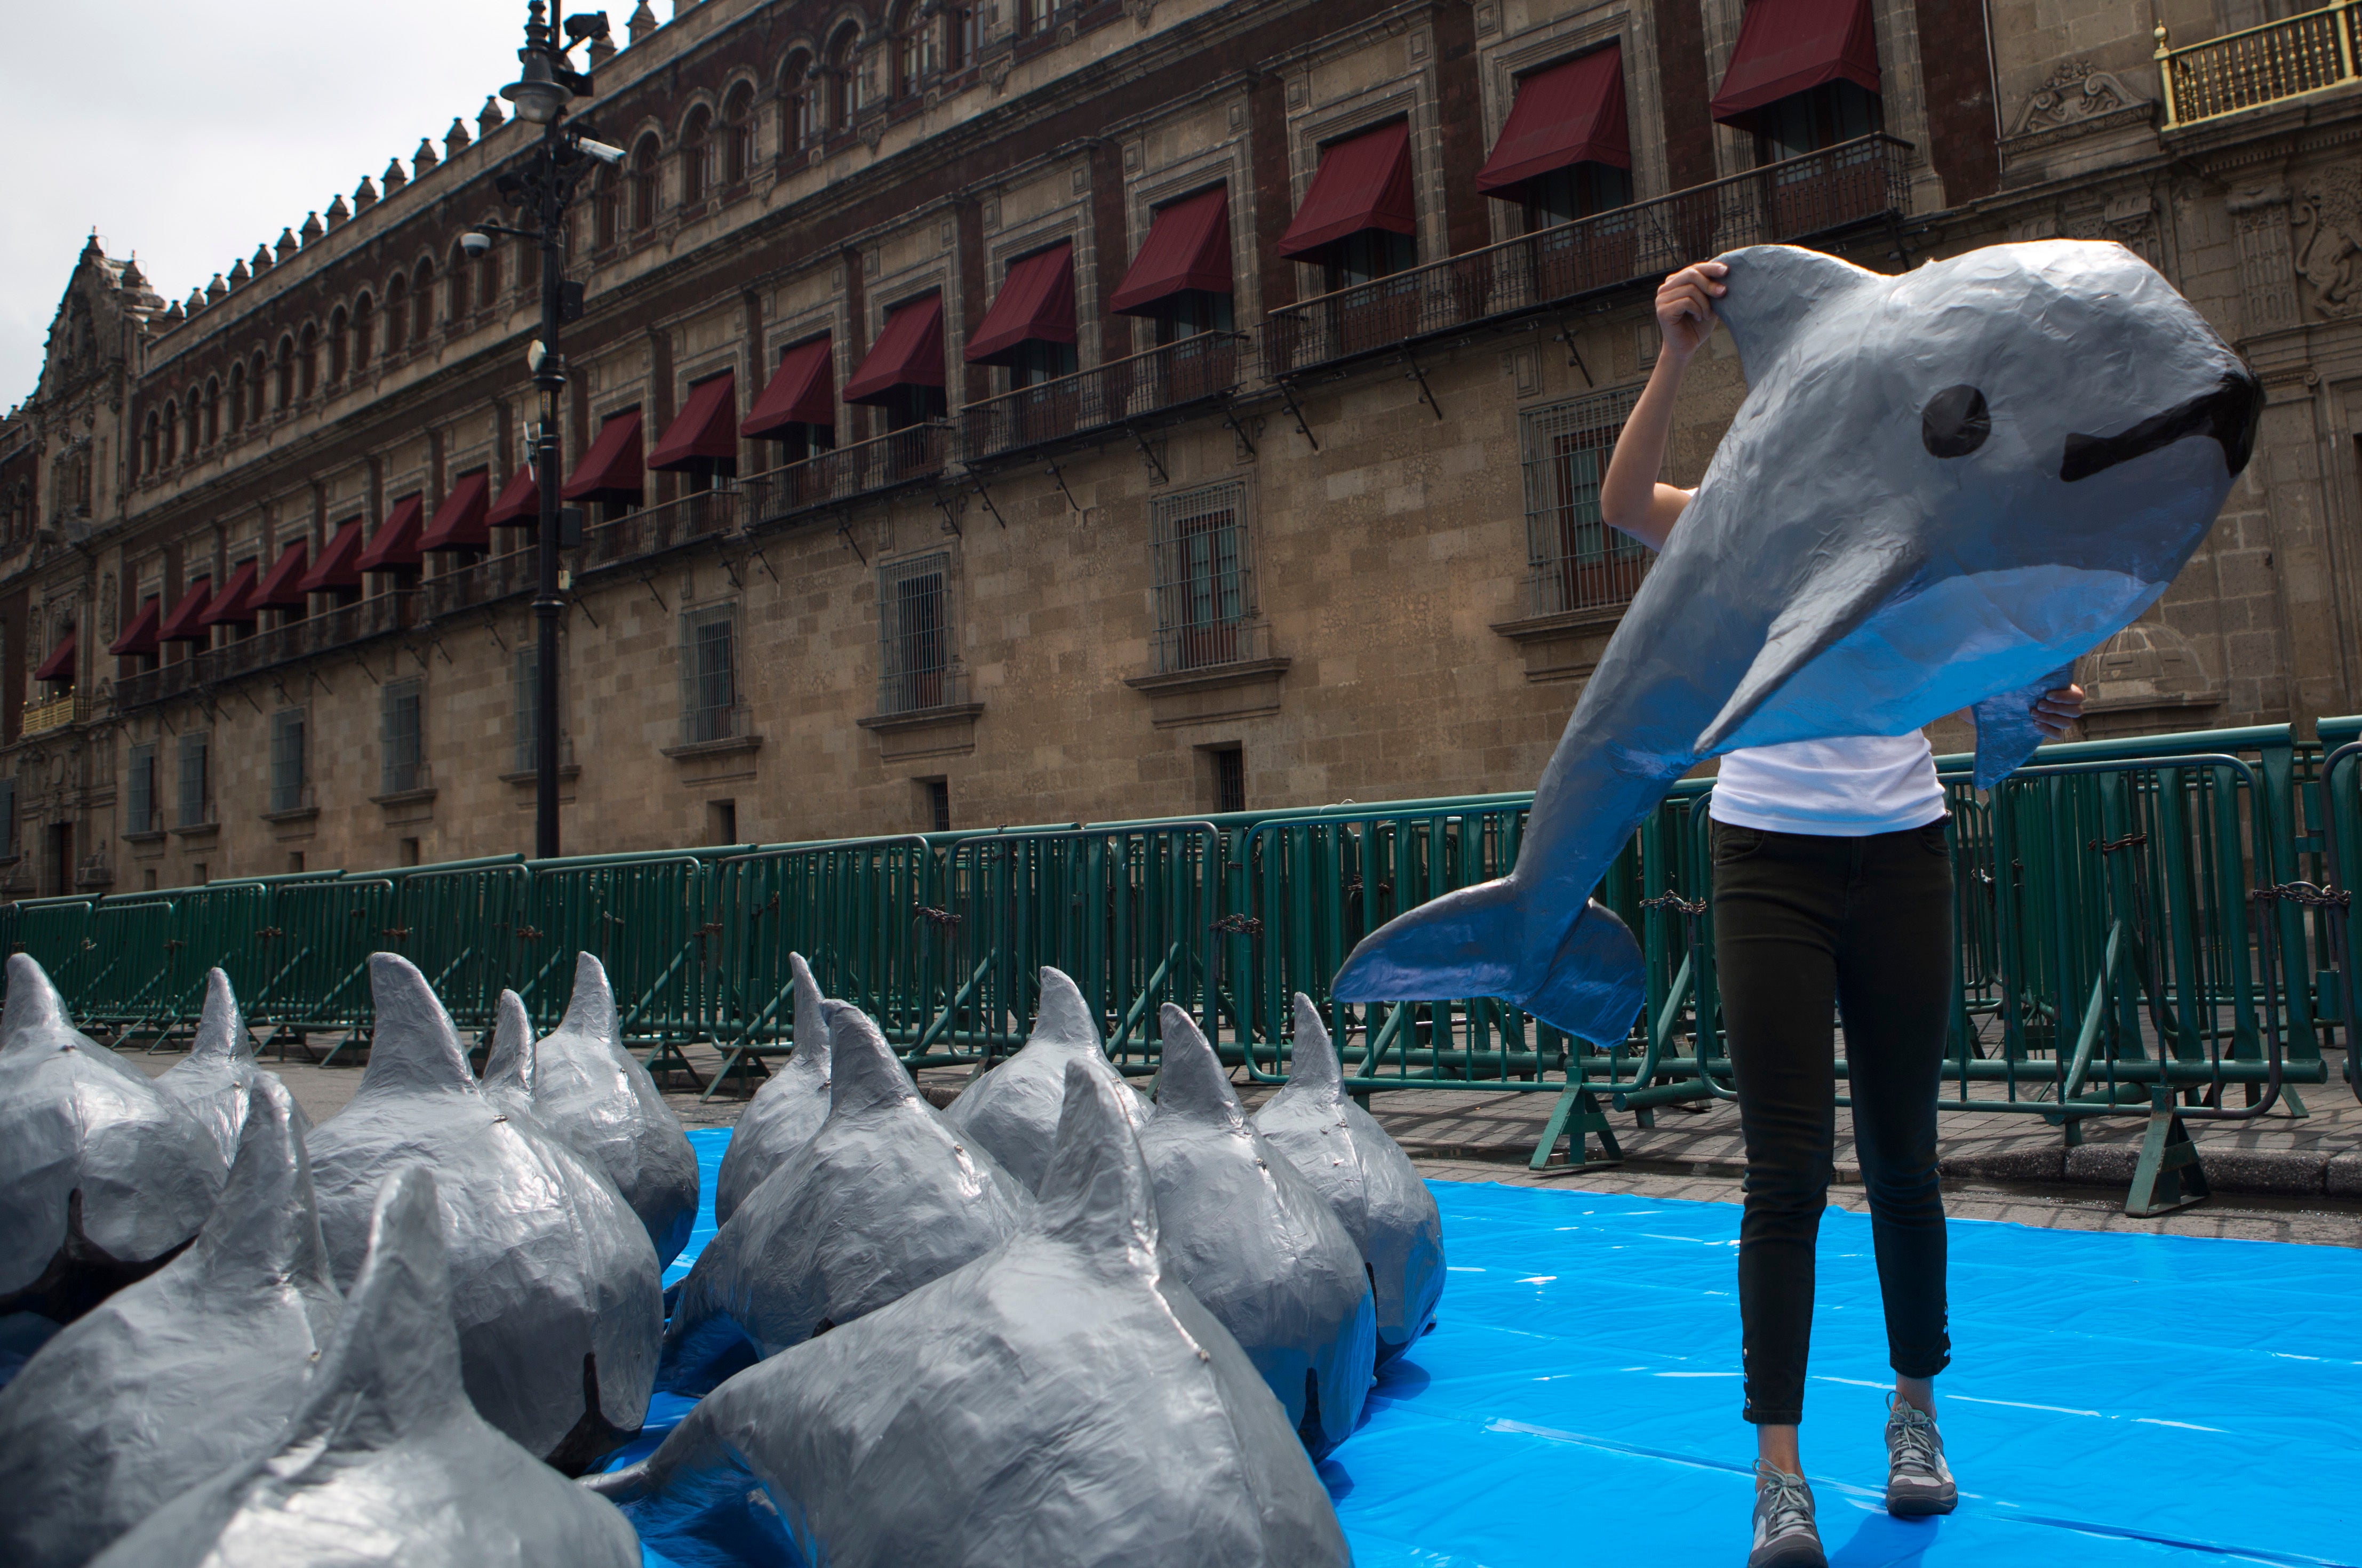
(1918,1481)
(1784,1536)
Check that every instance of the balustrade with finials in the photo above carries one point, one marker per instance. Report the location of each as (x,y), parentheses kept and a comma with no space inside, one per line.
(1820,192)
(2258,66)
(1171,376)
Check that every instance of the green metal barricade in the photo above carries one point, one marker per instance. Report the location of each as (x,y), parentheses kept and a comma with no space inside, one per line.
(471,930)
(125,989)
(56,933)
(645,918)
(318,942)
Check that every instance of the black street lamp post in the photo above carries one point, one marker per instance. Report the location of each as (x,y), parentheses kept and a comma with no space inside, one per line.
(541,190)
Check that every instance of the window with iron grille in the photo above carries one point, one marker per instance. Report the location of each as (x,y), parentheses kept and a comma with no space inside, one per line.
(708,675)
(525,703)
(7,816)
(1576,561)
(196,793)
(914,632)
(140,790)
(1204,576)
(400,737)
(287,759)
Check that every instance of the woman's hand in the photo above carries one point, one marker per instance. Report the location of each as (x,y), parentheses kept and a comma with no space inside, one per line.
(2057,711)
(1685,306)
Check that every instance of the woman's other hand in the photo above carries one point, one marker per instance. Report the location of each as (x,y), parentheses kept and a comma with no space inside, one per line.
(1685,306)
(2056,713)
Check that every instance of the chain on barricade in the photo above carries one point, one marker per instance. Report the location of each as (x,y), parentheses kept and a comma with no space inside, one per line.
(942,919)
(1238,925)
(2110,846)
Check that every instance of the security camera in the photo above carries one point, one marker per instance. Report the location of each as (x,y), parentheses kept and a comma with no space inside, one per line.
(600,150)
(475,242)
(587,25)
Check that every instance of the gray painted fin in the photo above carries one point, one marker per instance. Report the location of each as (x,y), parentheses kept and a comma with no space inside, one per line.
(591,1010)
(1095,1194)
(268,1222)
(1774,291)
(1464,943)
(1190,1082)
(1850,580)
(1598,979)
(811,1024)
(413,1048)
(221,1028)
(863,1069)
(2005,731)
(35,1016)
(510,1064)
(1313,1069)
(1065,1018)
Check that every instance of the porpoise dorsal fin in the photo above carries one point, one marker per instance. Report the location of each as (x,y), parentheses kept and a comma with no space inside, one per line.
(413,1048)
(1065,1018)
(510,1064)
(267,1222)
(393,1369)
(1096,1193)
(1846,585)
(35,1017)
(863,1069)
(1190,1081)
(1312,1068)
(591,1010)
(811,1057)
(1773,290)
(221,1028)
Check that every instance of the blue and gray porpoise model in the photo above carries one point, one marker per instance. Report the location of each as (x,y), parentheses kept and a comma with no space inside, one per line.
(1942,488)
(787,1110)
(1013,1109)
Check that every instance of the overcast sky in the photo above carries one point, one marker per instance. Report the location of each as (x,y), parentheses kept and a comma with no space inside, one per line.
(189,137)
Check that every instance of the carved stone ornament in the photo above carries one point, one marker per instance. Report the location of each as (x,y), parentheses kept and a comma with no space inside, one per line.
(873,132)
(996,72)
(2075,93)
(1142,11)
(2328,220)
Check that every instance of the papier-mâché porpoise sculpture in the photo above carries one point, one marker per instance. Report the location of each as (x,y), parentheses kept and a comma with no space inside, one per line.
(177,1375)
(1942,488)
(1013,1109)
(787,1110)
(1372,1187)
(1064,1398)
(103,1175)
(585,1088)
(213,1079)
(1257,1244)
(554,1281)
(384,1461)
(883,1198)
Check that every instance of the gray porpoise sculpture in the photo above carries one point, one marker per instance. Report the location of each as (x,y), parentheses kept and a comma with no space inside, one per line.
(1063,1399)
(1257,1244)
(1372,1187)
(1013,1109)
(384,1461)
(585,1088)
(787,1110)
(170,1379)
(103,1175)
(555,1286)
(213,1080)
(883,1198)
(1942,488)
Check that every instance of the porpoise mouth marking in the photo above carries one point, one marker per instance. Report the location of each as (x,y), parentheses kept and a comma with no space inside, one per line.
(2228,414)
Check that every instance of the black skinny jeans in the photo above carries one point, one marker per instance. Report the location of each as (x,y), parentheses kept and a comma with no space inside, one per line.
(1804,926)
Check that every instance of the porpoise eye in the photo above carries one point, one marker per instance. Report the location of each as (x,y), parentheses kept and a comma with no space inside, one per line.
(1954,422)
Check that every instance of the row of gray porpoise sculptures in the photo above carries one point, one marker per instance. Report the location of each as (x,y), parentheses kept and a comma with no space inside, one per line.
(380,1338)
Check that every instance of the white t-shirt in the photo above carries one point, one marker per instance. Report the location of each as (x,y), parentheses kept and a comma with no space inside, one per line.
(1848,787)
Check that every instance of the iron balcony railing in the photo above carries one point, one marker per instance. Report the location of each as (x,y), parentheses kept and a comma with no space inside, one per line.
(56,714)
(371,617)
(655,529)
(1596,580)
(1171,376)
(1210,644)
(882,462)
(481,582)
(1851,182)
(2262,65)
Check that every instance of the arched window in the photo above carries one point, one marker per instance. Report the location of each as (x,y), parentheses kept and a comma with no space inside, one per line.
(644,184)
(197,421)
(257,377)
(308,360)
(364,331)
(799,106)
(488,278)
(1033,17)
(397,314)
(171,432)
(237,397)
(607,210)
(212,410)
(844,77)
(455,288)
(737,135)
(911,51)
(286,374)
(422,291)
(696,151)
(960,38)
(148,445)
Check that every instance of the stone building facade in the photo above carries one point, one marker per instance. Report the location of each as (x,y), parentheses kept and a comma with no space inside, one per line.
(1132,408)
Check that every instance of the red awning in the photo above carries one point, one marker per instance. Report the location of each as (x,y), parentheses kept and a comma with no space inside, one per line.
(186,622)
(611,469)
(800,393)
(1036,304)
(339,564)
(139,637)
(1570,114)
(909,352)
(281,587)
(705,431)
(59,665)
(396,546)
(1362,184)
(1786,47)
(459,522)
(519,505)
(231,606)
(1188,247)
